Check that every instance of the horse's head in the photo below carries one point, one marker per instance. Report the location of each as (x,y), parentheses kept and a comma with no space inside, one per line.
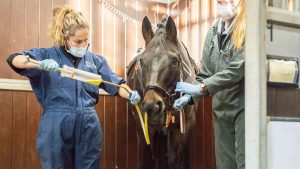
(160,68)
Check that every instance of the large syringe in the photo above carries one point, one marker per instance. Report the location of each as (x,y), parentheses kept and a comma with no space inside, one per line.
(95,79)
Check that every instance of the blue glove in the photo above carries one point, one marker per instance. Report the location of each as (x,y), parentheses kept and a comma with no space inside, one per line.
(188,88)
(184,100)
(48,64)
(134,97)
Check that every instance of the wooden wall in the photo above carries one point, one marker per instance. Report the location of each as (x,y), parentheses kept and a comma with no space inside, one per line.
(283,102)
(24,25)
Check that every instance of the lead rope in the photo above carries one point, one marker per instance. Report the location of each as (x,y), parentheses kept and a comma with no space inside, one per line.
(182,113)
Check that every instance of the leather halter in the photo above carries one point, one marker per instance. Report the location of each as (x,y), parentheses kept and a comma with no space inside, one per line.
(169,98)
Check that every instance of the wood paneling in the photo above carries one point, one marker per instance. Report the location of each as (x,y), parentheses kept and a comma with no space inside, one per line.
(120,105)
(108,51)
(45,14)
(100,110)
(33,117)
(208,154)
(19,149)
(283,102)
(19,98)
(131,46)
(5,28)
(27,27)
(17,34)
(6,129)
(57,3)
(33,110)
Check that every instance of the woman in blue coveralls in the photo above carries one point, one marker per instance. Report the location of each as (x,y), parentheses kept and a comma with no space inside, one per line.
(69,134)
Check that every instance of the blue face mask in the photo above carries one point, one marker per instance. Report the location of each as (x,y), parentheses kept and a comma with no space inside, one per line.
(77,52)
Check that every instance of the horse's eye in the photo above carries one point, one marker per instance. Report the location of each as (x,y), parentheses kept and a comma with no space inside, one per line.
(174,61)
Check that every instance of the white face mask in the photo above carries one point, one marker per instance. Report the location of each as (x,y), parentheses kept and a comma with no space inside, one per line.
(77,52)
(227,12)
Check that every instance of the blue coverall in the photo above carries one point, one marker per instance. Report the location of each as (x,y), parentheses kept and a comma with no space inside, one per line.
(70,134)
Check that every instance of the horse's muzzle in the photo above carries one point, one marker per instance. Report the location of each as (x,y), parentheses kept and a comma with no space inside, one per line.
(153,104)
(152,107)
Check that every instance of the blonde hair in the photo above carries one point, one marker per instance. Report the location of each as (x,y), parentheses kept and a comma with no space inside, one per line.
(238,33)
(65,22)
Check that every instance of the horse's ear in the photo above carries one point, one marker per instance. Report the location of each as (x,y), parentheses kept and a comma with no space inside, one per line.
(148,33)
(171,30)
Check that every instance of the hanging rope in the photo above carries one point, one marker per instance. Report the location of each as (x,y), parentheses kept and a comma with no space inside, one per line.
(119,13)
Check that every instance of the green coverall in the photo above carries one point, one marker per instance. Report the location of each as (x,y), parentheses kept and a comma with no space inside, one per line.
(222,71)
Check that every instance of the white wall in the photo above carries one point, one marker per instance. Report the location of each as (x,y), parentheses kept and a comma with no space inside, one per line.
(283,145)
(283,4)
(286,41)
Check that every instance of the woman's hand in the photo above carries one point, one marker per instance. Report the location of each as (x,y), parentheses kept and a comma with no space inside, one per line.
(184,100)
(188,88)
(134,97)
(48,64)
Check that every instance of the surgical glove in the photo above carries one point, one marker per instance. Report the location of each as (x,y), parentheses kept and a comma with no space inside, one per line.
(134,97)
(48,64)
(184,100)
(188,88)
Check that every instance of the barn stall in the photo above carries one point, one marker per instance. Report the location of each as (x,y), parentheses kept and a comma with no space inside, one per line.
(116,35)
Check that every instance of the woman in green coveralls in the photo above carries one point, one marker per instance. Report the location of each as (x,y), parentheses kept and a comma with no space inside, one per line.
(222,76)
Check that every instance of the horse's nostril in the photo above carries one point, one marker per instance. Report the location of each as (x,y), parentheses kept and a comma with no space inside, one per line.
(143,105)
(146,108)
(159,105)
(152,107)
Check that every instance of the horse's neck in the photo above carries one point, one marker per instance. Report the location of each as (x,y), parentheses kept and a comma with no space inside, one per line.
(184,54)
(186,58)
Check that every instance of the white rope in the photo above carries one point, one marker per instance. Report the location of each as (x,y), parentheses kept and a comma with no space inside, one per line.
(119,13)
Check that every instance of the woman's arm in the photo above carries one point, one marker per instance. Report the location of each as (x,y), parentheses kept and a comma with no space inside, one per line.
(123,92)
(230,76)
(20,61)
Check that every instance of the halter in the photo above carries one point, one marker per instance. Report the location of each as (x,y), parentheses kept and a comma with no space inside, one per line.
(170,98)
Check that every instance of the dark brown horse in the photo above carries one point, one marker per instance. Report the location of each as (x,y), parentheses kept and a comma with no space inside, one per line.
(154,74)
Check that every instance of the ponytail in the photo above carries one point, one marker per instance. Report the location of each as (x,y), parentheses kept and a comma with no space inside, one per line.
(65,22)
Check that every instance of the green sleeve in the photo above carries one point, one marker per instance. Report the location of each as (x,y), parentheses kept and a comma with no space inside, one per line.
(205,65)
(229,76)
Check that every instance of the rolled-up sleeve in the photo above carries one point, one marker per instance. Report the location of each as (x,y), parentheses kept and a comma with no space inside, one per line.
(36,54)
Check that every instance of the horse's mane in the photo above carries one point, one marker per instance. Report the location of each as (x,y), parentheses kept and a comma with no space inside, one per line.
(159,38)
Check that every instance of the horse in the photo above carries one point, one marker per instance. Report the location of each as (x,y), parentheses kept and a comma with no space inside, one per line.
(154,73)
